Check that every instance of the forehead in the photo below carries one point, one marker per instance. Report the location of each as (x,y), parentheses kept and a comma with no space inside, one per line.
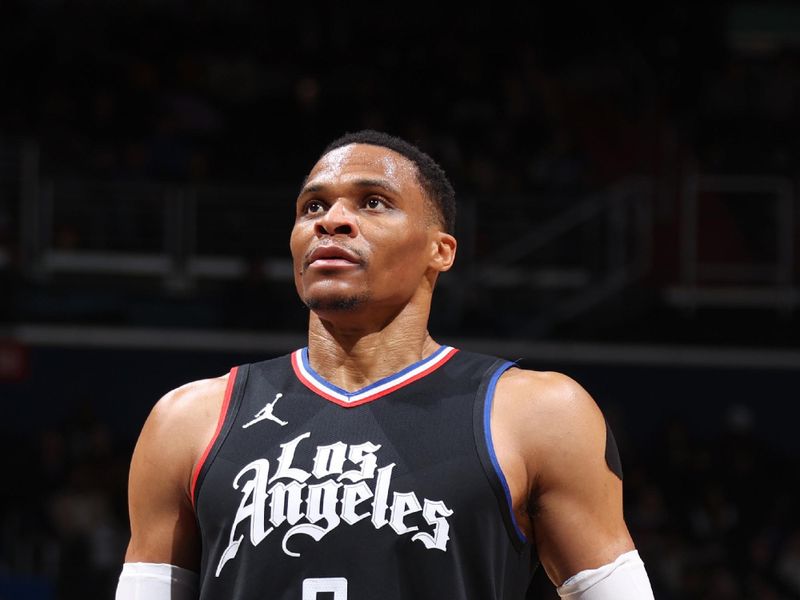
(364,160)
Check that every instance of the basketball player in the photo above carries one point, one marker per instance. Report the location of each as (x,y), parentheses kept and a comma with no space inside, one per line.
(376,463)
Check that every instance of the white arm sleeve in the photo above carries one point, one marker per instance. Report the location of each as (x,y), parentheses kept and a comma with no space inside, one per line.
(152,581)
(624,579)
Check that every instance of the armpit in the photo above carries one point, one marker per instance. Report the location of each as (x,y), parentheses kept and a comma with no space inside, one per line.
(612,453)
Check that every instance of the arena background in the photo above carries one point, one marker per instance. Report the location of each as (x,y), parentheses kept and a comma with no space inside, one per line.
(628,185)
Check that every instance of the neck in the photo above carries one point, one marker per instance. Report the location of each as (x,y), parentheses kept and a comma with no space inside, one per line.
(352,353)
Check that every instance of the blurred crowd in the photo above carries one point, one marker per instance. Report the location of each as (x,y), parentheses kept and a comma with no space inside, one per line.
(537,98)
(716,518)
(217,93)
(535,108)
(64,518)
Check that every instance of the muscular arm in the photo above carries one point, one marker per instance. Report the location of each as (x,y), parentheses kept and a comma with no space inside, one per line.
(163,526)
(550,438)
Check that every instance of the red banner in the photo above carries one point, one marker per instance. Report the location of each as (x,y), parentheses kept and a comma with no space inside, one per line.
(14,363)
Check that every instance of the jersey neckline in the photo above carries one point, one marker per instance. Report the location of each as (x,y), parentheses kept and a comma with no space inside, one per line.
(319,385)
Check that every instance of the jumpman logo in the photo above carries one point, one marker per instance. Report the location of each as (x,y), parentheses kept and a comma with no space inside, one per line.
(266,414)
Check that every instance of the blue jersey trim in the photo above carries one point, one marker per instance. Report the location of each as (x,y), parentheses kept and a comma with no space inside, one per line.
(325,383)
(487,430)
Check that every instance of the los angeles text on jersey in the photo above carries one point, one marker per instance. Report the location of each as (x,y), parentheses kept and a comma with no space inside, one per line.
(314,503)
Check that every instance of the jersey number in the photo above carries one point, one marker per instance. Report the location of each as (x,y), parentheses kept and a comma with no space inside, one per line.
(337,585)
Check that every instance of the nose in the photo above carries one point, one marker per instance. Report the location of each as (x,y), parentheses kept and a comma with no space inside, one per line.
(337,220)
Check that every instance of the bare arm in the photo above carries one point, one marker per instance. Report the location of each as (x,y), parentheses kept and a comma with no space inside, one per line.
(163,525)
(551,437)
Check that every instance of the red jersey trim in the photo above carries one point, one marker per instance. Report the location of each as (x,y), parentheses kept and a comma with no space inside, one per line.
(220,421)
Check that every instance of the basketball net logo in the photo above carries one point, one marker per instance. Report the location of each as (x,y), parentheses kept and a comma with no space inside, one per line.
(314,503)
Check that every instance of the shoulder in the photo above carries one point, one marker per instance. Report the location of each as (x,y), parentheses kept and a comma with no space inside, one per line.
(545,393)
(183,421)
(191,400)
(549,413)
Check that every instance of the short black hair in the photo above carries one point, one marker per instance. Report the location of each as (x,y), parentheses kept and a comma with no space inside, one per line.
(431,176)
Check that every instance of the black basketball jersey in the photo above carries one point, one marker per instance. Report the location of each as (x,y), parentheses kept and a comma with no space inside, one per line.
(310,492)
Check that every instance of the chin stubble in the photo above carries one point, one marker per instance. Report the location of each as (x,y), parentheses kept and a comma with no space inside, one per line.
(345,303)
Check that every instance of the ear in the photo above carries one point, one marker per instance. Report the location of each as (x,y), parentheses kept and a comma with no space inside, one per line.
(443,247)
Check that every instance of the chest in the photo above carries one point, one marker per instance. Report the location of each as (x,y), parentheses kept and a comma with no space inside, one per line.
(317,489)
(293,468)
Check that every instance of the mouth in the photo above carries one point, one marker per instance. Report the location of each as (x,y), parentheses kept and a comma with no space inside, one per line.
(332,257)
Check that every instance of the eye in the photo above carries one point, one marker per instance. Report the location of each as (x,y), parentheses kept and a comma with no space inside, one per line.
(313,207)
(376,203)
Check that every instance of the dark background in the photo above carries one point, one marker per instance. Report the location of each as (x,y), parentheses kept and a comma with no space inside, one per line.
(627,184)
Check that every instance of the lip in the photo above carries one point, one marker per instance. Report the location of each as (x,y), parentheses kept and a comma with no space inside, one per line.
(332,256)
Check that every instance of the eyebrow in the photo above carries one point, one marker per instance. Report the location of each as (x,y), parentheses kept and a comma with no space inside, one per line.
(361,183)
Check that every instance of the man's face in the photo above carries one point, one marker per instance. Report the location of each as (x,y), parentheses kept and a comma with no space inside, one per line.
(362,233)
